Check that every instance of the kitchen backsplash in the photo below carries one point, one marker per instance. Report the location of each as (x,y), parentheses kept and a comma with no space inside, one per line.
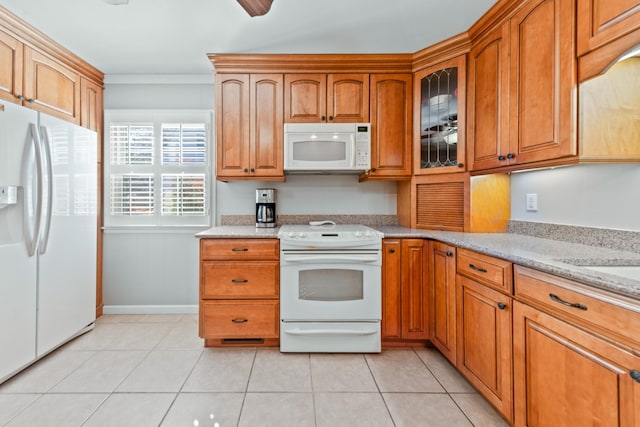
(304,219)
(603,237)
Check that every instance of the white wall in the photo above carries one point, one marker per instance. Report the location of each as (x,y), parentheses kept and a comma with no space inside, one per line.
(157,271)
(590,195)
(310,194)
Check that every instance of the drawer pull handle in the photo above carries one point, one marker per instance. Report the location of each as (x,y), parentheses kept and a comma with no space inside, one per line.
(635,375)
(480,269)
(449,254)
(502,305)
(239,320)
(555,298)
(239,281)
(240,249)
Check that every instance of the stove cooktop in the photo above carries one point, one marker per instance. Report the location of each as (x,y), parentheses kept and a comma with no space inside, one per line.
(329,235)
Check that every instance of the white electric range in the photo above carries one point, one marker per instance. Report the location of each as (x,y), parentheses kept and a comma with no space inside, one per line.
(330,288)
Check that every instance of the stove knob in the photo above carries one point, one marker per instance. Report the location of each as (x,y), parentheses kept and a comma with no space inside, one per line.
(368,233)
(302,234)
(292,234)
(357,234)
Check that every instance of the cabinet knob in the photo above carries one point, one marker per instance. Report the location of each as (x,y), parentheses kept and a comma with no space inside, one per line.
(252,170)
(330,117)
(501,157)
(392,250)
(449,254)
(502,305)
(245,170)
(323,118)
(510,155)
(30,100)
(635,375)
(373,169)
(460,165)
(20,97)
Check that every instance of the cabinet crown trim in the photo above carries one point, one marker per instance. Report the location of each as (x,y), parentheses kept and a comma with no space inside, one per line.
(300,63)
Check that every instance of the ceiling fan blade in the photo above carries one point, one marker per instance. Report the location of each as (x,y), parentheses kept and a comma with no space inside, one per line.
(256,7)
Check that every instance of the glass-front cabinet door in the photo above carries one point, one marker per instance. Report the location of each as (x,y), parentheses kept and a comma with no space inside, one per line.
(439,134)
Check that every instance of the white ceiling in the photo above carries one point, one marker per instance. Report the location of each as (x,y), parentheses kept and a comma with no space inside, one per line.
(174,36)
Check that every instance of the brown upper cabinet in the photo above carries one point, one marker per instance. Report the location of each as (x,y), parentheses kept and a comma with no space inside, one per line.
(50,86)
(11,63)
(534,90)
(391,116)
(39,74)
(249,126)
(606,30)
(439,117)
(333,98)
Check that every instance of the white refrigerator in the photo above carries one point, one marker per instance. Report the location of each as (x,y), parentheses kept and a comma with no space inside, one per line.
(47,234)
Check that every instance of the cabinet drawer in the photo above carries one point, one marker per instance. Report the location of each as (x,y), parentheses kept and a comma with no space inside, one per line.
(250,279)
(493,272)
(239,249)
(599,311)
(239,319)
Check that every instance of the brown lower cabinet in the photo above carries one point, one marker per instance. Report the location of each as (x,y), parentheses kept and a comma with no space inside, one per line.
(404,290)
(239,292)
(442,298)
(565,376)
(484,342)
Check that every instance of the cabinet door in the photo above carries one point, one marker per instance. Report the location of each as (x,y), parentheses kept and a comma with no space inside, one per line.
(305,98)
(267,125)
(91,105)
(484,342)
(567,377)
(391,116)
(415,319)
(11,63)
(232,125)
(348,98)
(488,99)
(439,118)
(442,298)
(602,21)
(543,81)
(51,87)
(391,303)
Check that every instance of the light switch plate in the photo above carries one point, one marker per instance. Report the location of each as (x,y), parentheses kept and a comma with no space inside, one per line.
(532,202)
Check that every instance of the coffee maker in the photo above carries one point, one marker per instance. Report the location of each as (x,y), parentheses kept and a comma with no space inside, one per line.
(265,207)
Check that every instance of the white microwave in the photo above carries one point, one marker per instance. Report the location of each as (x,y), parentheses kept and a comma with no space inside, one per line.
(327,147)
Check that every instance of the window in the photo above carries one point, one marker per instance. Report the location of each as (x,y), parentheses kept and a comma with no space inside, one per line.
(158,168)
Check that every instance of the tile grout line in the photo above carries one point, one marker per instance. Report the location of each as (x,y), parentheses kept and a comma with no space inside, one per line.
(384,401)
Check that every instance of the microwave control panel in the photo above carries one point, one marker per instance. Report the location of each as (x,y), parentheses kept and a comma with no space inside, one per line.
(363,146)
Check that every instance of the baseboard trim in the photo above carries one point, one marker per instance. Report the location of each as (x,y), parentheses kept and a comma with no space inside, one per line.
(150,309)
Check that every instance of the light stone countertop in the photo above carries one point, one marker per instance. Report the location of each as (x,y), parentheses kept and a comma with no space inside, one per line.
(551,256)
(239,231)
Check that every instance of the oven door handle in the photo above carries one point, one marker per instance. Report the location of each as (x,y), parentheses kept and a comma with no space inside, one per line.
(335,258)
(316,332)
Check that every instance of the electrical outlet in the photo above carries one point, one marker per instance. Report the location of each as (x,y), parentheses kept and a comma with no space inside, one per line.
(532,202)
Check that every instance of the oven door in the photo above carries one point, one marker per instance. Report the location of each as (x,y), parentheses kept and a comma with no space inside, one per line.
(330,287)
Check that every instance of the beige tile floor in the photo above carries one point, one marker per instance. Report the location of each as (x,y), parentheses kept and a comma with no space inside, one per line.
(151,370)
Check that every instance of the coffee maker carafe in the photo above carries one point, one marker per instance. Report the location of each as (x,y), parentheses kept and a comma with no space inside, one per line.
(265,207)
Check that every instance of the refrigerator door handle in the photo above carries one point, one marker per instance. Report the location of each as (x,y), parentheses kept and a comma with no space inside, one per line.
(27,167)
(46,152)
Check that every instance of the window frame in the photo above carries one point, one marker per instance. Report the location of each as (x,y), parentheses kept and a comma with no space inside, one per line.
(157,118)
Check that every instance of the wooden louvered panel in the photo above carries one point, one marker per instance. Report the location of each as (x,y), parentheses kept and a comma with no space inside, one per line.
(440,206)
